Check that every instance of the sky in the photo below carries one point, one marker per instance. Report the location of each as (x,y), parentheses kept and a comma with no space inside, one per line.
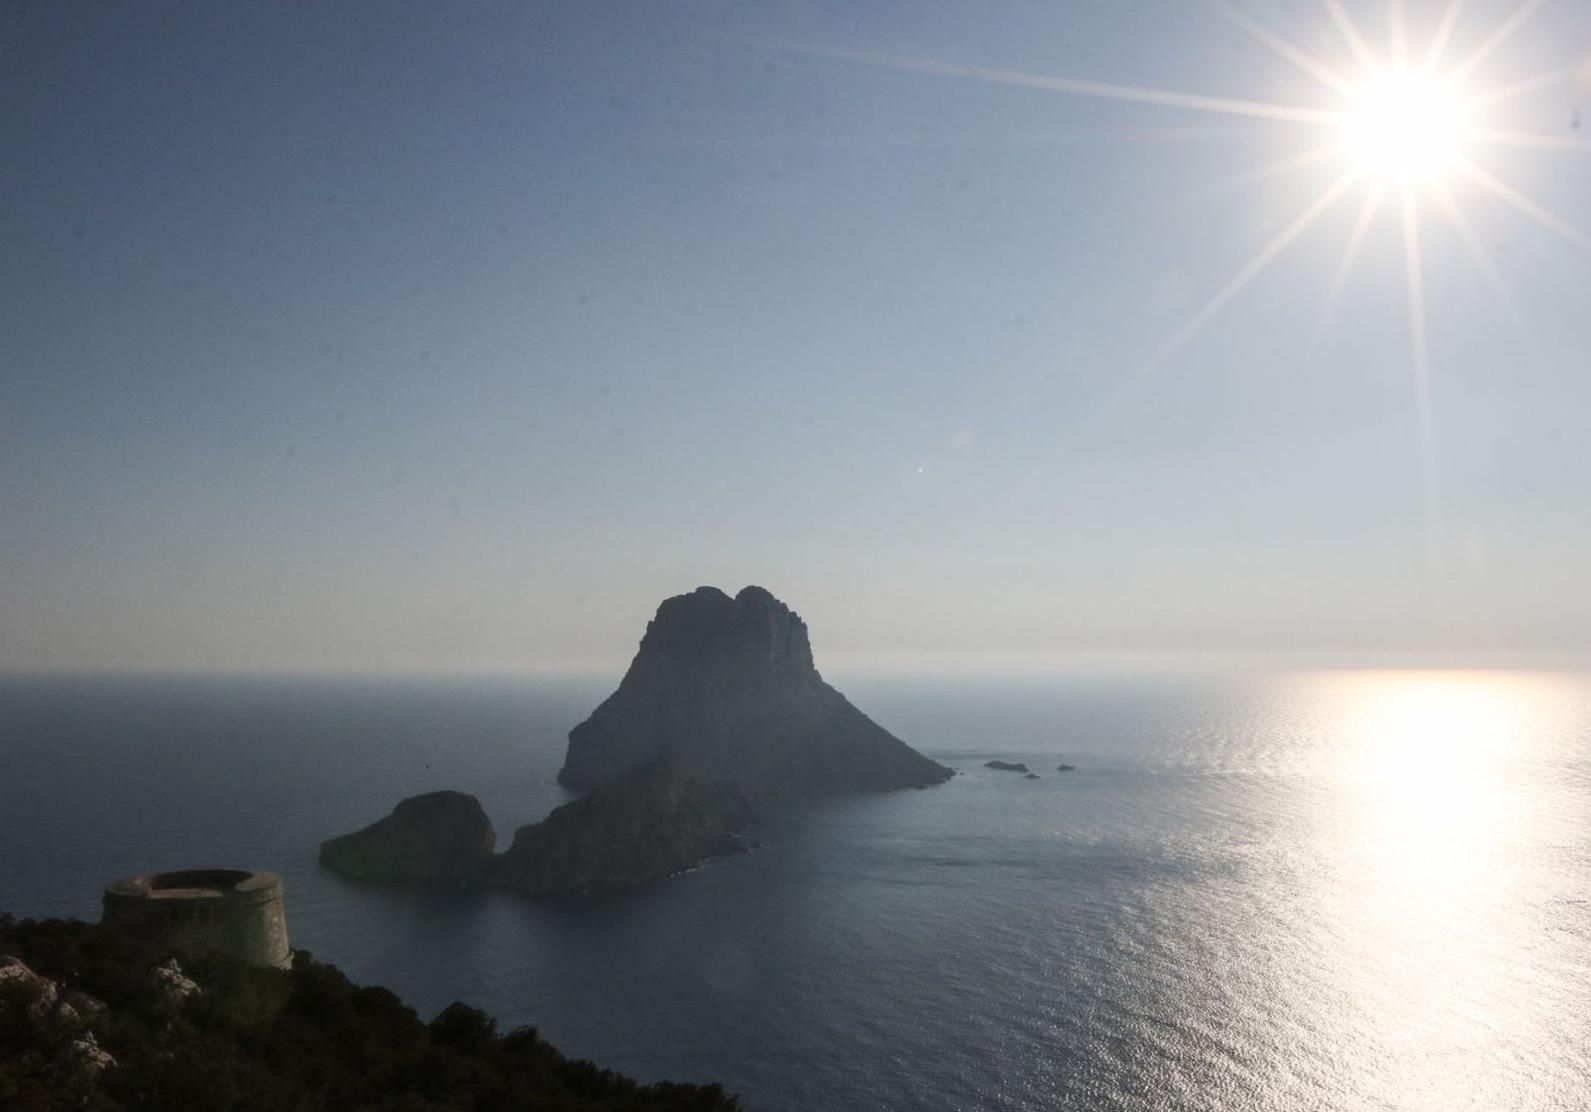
(412,336)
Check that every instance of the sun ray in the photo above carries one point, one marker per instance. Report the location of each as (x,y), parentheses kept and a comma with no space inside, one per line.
(1300,58)
(1502,34)
(1530,140)
(1350,252)
(1444,32)
(1195,324)
(1188,133)
(1398,34)
(1477,248)
(1269,170)
(1252,109)
(1407,120)
(1251,270)
(1420,353)
(1350,32)
(1507,193)
(1521,88)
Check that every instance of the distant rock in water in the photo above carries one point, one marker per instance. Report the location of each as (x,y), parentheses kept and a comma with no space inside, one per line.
(651,825)
(1006,766)
(1065,768)
(726,688)
(721,709)
(440,836)
(1032,776)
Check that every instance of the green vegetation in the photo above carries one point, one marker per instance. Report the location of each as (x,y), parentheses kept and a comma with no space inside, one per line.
(262,1039)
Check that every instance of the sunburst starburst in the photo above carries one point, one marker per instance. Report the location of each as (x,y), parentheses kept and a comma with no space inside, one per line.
(1401,120)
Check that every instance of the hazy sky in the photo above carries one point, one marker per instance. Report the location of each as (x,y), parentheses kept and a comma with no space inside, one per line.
(394,335)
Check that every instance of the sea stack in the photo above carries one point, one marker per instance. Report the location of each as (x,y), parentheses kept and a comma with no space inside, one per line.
(726,689)
(439,836)
(722,709)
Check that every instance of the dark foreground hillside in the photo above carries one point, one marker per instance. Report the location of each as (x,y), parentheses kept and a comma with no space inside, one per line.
(90,1020)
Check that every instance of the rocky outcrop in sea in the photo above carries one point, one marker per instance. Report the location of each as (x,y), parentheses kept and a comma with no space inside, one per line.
(722,710)
(439,836)
(651,825)
(727,688)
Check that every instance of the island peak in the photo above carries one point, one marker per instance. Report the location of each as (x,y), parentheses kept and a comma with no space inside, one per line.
(727,688)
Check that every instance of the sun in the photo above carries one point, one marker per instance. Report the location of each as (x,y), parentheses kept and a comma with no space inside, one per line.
(1416,127)
(1406,128)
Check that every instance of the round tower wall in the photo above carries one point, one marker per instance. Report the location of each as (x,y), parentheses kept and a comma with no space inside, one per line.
(230,911)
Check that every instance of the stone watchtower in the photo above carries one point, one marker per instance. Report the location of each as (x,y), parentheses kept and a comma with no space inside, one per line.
(226,910)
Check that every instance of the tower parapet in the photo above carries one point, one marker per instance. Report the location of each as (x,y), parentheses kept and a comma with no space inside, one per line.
(231,911)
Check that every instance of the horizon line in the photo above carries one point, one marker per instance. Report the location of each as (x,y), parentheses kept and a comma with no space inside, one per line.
(881,666)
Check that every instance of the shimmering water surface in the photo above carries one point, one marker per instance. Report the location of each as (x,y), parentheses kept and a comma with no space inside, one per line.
(1327,891)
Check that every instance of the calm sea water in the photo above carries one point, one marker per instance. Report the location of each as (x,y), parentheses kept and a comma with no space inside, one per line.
(1331,891)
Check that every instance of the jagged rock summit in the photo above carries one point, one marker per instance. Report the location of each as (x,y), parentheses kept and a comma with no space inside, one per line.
(726,688)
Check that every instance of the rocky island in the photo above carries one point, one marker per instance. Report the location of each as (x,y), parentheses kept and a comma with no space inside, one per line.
(651,825)
(722,710)
(437,836)
(726,687)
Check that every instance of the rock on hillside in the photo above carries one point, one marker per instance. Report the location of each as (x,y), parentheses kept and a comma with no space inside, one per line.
(726,688)
(39,1018)
(440,836)
(223,1034)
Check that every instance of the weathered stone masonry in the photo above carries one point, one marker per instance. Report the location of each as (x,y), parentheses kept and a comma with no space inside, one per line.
(228,910)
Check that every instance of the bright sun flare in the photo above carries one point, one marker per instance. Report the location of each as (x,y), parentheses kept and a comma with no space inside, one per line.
(1406,127)
(1421,123)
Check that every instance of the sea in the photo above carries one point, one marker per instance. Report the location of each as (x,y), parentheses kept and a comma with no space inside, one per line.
(1330,890)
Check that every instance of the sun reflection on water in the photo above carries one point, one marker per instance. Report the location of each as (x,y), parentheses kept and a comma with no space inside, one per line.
(1432,752)
(1431,919)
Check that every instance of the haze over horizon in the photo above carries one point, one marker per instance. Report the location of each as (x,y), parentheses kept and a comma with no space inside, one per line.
(432,338)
